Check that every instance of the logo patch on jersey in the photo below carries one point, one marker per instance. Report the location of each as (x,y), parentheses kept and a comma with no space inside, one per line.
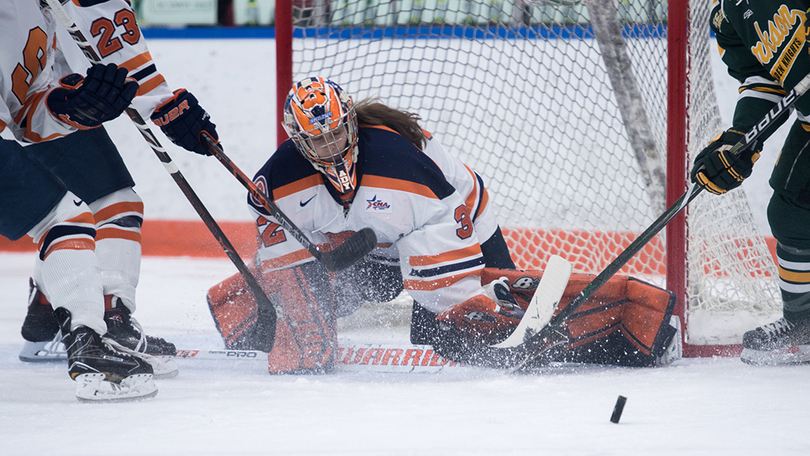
(379,202)
(261,184)
(787,26)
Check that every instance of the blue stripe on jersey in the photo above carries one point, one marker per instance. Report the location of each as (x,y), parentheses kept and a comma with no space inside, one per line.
(387,154)
(141,75)
(63,230)
(441,270)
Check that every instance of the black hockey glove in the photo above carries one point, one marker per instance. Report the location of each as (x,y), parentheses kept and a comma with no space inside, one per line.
(87,102)
(717,170)
(184,121)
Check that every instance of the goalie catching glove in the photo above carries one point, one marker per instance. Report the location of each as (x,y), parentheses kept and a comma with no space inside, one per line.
(718,170)
(184,122)
(87,102)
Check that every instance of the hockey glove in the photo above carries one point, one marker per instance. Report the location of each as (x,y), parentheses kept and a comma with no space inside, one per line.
(717,170)
(87,102)
(184,122)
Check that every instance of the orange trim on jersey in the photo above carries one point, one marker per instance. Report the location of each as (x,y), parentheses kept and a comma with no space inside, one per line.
(426,260)
(432,285)
(71,244)
(150,85)
(427,134)
(137,61)
(117,233)
(286,260)
(398,184)
(297,186)
(117,209)
(379,127)
(484,202)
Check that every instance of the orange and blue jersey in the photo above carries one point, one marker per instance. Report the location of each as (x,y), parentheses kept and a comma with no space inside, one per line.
(419,217)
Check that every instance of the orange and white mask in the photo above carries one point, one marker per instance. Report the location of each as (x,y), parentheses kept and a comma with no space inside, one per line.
(319,117)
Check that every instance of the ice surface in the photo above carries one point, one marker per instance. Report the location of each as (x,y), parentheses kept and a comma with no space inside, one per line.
(697,406)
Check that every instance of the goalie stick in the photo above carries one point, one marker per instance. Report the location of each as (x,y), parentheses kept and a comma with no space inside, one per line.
(538,342)
(265,306)
(543,304)
(346,254)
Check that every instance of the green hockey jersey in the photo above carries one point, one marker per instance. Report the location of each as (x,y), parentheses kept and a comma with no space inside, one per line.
(763,44)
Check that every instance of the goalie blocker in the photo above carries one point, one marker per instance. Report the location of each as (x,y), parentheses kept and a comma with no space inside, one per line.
(627,322)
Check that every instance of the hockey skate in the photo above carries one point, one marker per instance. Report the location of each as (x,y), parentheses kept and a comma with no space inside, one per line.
(43,340)
(128,337)
(101,373)
(779,343)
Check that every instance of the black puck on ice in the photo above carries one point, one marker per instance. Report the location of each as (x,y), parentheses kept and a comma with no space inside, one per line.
(617,410)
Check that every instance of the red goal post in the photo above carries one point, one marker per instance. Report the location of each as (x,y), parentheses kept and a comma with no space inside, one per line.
(579,114)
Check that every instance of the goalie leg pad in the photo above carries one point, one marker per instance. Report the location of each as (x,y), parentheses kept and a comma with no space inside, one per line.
(627,323)
(237,317)
(306,336)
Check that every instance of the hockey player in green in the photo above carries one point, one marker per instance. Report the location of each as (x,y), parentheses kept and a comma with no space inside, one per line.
(763,44)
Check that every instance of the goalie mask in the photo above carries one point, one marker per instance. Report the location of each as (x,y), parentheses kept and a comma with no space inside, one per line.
(319,117)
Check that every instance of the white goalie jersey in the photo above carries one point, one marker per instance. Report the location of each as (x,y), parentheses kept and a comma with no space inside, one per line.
(417,214)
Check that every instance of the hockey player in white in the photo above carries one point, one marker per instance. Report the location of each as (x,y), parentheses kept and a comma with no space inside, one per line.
(348,167)
(93,255)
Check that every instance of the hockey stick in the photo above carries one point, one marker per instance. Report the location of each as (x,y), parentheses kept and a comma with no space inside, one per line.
(530,349)
(543,304)
(346,254)
(264,305)
(380,358)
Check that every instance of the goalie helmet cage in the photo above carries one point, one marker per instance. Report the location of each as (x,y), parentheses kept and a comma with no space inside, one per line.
(578,114)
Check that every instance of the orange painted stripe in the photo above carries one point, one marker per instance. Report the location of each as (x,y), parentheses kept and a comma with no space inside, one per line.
(398,184)
(118,208)
(431,285)
(71,244)
(297,186)
(150,85)
(426,260)
(117,233)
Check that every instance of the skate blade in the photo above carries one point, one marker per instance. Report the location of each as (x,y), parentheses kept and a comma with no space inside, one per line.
(43,352)
(162,367)
(797,354)
(96,388)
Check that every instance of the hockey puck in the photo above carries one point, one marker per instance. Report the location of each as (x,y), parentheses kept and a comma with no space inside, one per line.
(617,409)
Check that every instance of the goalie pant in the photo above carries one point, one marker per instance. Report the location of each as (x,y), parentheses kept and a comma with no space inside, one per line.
(625,323)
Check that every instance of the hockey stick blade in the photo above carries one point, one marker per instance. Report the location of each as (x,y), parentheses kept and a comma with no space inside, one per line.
(345,255)
(543,304)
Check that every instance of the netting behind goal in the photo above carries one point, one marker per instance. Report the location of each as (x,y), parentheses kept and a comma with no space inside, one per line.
(561,107)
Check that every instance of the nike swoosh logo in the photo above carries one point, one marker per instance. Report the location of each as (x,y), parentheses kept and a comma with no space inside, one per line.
(304,203)
(77,203)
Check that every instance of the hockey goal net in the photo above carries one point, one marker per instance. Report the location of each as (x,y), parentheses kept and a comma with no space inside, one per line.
(562,107)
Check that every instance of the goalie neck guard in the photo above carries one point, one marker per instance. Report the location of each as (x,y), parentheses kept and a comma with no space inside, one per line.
(319,117)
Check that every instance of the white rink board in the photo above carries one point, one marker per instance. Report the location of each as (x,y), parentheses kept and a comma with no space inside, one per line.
(235,81)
